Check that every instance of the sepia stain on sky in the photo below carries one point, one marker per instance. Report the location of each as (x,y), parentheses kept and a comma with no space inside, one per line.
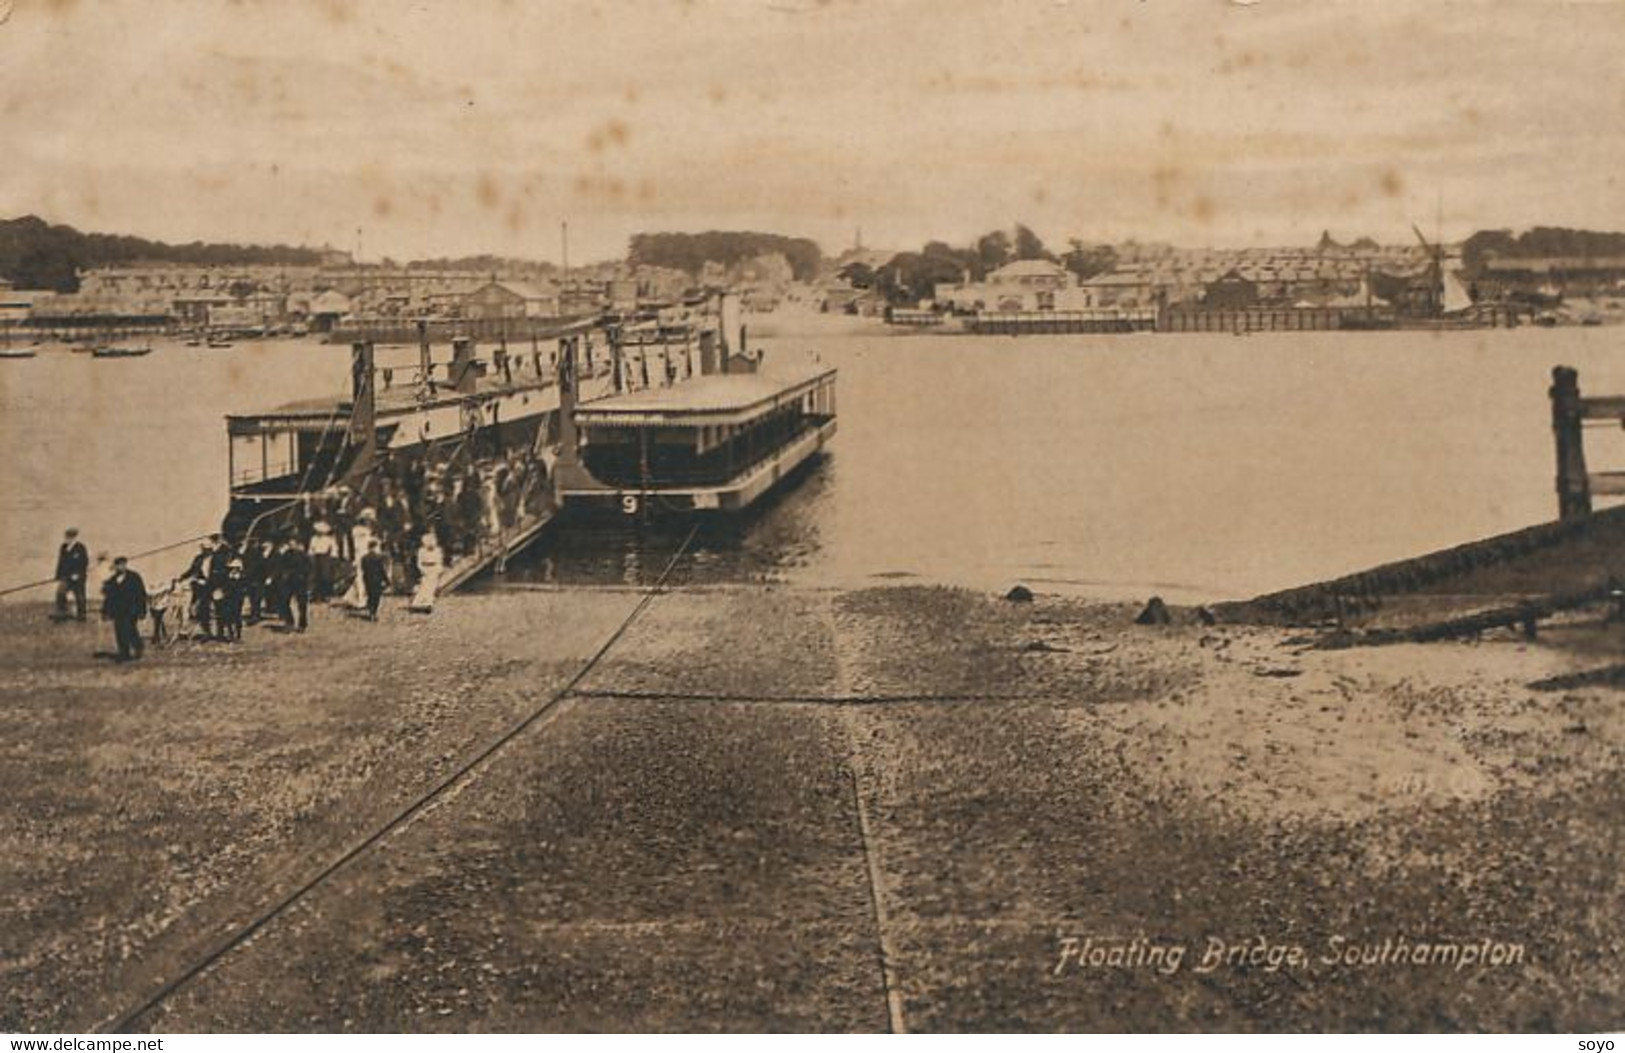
(449,128)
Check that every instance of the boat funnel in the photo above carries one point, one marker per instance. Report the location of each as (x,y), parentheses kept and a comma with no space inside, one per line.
(463,376)
(363,430)
(568,453)
(568,471)
(708,352)
(363,402)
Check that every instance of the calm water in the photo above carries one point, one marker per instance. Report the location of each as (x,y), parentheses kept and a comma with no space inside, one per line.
(1198,466)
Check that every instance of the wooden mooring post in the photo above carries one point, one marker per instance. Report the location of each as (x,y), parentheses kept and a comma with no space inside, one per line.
(1576,486)
(1568,422)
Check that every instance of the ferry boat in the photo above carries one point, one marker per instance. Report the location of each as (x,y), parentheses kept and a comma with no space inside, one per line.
(285,464)
(713,444)
(561,424)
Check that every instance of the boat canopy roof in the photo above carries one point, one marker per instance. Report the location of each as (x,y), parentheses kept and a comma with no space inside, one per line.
(314,414)
(721,398)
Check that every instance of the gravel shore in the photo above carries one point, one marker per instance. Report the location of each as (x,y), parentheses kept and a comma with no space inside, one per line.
(761,795)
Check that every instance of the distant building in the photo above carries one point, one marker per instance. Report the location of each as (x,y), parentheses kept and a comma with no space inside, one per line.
(194,306)
(1031,274)
(1130,287)
(622,292)
(327,309)
(510,300)
(841,298)
(17,305)
(1231,291)
(1552,275)
(1024,285)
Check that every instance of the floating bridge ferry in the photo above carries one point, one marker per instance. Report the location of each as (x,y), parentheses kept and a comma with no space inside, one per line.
(599,423)
(715,443)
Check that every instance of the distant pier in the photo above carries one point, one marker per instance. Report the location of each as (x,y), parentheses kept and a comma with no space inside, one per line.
(1023,323)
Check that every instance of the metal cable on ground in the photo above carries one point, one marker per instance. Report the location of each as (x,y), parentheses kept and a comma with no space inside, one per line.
(874,699)
(123,1021)
(326,429)
(138,555)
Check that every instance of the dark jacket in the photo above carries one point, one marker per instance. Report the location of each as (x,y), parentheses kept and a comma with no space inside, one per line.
(229,597)
(254,569)
(199,568)
(125,596)
(293,569)
(72,561)
(220,564)
(374,572)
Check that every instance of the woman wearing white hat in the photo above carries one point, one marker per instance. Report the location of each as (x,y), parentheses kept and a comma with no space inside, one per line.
(361,537)
(324,552)
(430,560)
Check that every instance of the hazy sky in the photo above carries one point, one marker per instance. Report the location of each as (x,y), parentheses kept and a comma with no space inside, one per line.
(478,125)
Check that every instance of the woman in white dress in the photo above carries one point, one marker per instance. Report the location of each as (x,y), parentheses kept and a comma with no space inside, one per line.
(324,553)
(430,561)
(361,536)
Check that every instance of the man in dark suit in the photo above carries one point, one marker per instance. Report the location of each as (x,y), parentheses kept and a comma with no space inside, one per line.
(72,560)
(256,554)
(124,603)
(293,584)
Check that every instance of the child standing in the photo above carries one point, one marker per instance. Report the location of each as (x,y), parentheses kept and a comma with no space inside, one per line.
(158,604)
(374,577)
(229,603)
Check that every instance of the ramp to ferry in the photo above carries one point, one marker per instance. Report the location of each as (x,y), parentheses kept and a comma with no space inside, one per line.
(1570,559)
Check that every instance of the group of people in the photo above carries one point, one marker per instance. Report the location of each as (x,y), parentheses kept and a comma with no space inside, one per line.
(227,586)
(412,519)
(123,593)
(463,503)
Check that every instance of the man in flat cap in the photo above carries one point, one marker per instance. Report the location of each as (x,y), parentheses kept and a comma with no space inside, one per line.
(124,603)
(72,560)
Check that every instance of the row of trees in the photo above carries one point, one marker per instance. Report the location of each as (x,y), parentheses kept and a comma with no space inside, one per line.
(35,254)
(1539,241)
(910,276)
(691,252)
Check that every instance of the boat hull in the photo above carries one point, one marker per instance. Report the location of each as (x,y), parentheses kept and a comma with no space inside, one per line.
(734,497)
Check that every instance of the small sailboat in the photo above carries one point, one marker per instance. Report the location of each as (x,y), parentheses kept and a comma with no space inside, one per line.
(8,350)
(121,351)
(1454,297)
